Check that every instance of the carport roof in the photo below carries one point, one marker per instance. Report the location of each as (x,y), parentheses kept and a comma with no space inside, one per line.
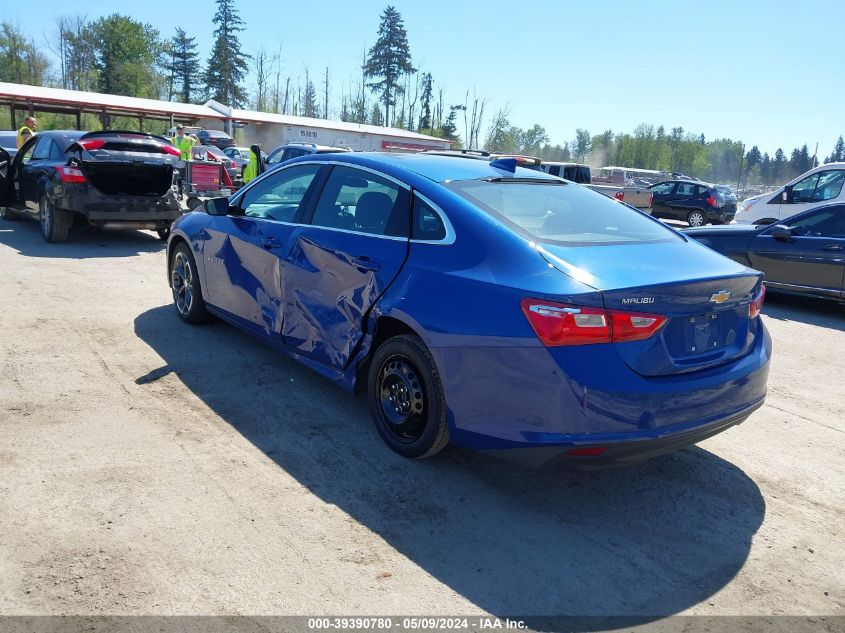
(22,95)
(254,116)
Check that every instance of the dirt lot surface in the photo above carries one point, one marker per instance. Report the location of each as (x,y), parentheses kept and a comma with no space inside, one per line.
(149,467)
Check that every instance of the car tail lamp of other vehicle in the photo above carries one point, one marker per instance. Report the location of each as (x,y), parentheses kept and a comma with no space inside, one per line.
(651,200)
(558,324)
(94,143)
(69,175)
(712,199)
(619,195)
(756,305)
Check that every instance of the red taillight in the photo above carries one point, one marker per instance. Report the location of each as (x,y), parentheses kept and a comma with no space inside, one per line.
(559,324)
(756,305)
(619,195)
(169,149)
(634,326)
(651,199)
(711,200)
(70,175)
(94,143)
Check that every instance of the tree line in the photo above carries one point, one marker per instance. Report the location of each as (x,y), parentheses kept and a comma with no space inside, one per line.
(120,55)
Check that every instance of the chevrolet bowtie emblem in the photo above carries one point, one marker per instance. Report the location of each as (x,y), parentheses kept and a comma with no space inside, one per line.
(720,297)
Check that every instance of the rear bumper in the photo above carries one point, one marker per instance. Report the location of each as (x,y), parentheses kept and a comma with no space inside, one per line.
(622,452)
(532,404)
(99,208)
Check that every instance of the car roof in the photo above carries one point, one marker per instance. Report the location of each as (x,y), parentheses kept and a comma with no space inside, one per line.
(685,181)
(432,166)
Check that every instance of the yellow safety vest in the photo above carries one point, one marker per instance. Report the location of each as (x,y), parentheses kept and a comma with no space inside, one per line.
(24,130)
(184,145)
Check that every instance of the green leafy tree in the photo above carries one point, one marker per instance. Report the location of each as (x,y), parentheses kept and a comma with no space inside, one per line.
(183,66)
(126,53)
(21,61)
(581,145)
(502,137)
(228,64)
(388,60)
(533,139)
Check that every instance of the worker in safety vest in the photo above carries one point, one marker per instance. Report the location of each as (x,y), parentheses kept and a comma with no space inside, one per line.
(27,131)
(183,143)
(256,166)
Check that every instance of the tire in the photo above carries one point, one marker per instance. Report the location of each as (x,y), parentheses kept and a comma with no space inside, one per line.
(55,223)
(406,398)
(186,288)
(7,214)
(163,234)
(696,218)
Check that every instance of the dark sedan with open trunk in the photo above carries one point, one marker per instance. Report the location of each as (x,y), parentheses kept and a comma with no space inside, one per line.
(67,178)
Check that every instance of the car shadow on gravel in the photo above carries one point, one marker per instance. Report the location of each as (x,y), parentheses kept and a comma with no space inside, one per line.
(84,243)
(784,307)
(644,541)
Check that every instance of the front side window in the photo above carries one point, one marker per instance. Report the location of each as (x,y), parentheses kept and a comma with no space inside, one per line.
(828,222)
(562,213)
(361,201)
(802,191)
(663,188)
(280,195)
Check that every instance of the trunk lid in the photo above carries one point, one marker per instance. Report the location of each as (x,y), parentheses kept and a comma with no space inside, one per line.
(705,296)
(126,163)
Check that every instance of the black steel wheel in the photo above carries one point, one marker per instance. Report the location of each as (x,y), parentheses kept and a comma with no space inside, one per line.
(406,397)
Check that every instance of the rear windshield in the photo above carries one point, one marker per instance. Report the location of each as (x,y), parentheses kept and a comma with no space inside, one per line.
(562,213)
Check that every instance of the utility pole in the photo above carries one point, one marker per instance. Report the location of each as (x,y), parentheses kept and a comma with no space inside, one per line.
(741,158)
(815,154)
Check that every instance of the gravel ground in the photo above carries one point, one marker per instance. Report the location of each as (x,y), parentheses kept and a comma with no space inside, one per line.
(148,467)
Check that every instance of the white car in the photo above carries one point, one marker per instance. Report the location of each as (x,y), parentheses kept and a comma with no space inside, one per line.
(819,186)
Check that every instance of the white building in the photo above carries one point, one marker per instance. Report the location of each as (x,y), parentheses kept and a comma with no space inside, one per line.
(272,130)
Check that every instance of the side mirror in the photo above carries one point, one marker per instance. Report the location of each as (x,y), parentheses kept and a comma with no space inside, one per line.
(216,206)
(786,196)
(781,232)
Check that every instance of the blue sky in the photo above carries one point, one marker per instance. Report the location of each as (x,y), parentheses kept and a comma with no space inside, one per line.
(768,73)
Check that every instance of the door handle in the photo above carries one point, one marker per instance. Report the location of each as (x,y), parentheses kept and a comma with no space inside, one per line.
(832,247)
(364,264)
(270,242)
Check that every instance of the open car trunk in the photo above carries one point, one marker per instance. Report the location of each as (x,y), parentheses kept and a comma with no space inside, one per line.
(129,178)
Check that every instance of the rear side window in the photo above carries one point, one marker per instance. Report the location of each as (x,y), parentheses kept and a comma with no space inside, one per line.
(562,213)
(42,149)
(360,201)
(702,191)
(55,152)
(426,223)
(686,189)
(554,170)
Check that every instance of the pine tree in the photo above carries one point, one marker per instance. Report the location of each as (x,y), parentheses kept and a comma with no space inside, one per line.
(308,103)
(388,60)
(838,154)
(427,89)
(184,66)
(376,117)
(227,64)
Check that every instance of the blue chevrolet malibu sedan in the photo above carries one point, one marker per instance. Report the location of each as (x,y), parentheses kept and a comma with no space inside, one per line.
(495,307)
